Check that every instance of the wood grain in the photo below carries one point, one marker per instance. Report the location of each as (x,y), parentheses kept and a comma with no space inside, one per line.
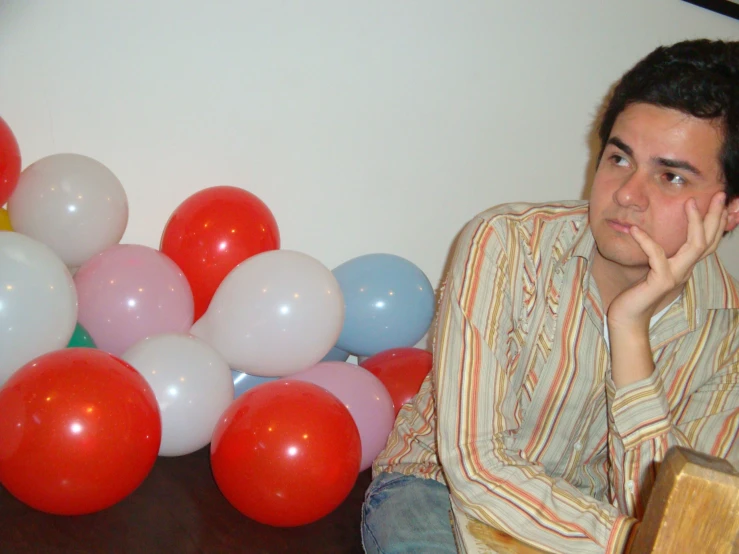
(490,539)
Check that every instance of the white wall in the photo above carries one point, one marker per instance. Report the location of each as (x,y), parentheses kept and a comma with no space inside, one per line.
(372,126)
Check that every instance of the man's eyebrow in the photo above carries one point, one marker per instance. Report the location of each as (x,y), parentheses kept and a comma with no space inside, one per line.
(679,164)
(621,145)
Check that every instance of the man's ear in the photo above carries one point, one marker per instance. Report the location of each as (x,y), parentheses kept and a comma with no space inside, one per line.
(733,208)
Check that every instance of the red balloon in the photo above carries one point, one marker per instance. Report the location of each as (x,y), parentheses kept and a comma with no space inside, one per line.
(286,453)
(10,162)
(401,370)
(79,431)
(212,232)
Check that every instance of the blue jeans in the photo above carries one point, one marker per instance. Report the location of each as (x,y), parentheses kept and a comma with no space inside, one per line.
(402,513)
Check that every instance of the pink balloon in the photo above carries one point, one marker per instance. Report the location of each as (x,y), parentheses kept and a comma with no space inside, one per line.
(129,292)
(364,395)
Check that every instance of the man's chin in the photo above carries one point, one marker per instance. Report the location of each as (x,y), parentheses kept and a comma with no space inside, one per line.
(624,258)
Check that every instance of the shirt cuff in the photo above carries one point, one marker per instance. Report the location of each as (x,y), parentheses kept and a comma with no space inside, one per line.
(640,410)
(621,535)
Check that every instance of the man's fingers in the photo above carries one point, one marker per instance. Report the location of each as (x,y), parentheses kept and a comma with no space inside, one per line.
(714,216)
(655,253)
(696,228)
(714,224)
(719,233)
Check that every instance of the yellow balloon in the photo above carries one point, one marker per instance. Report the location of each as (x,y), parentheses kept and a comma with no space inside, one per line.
(5,220)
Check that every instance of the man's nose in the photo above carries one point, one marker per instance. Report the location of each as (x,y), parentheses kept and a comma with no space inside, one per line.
(632,193)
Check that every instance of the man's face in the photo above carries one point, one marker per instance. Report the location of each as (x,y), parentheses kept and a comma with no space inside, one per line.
(654,161)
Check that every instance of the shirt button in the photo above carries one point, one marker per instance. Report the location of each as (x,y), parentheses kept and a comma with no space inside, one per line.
(577,445)
(630,486)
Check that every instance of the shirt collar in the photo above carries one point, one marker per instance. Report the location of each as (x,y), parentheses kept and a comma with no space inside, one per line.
(583,243)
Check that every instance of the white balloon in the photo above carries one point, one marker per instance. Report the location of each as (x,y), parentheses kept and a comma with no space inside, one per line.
(193,386)
(276,313)
(38,302)
(72,203)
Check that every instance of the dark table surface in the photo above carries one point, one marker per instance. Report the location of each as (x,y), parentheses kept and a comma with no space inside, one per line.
(178,509)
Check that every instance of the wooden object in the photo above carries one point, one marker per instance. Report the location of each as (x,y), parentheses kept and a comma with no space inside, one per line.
(694,507)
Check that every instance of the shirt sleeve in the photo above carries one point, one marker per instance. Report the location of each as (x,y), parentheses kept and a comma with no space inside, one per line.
(643,427)
(472,363)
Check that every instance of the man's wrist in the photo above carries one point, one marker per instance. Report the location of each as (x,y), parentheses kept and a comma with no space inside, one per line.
(631,354)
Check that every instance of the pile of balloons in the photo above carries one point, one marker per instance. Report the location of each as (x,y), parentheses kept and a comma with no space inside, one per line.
(113,354)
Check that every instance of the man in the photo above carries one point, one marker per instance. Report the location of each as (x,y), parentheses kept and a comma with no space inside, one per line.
(577,342)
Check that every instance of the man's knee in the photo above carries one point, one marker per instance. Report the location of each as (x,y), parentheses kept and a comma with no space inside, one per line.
(402,513)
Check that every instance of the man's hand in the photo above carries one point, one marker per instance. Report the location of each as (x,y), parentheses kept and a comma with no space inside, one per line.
(630,311)
(637,304)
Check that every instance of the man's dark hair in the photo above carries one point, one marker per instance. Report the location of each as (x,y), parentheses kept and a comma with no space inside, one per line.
(696,77)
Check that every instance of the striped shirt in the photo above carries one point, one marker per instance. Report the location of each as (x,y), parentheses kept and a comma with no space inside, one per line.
(520,417)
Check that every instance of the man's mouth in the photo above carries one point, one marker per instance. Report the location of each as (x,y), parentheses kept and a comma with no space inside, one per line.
(619,226)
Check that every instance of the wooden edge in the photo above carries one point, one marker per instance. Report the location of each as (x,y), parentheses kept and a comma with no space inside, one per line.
(682,468)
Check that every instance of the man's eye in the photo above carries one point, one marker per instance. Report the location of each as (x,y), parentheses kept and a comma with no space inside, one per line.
(619,160)
(674,179)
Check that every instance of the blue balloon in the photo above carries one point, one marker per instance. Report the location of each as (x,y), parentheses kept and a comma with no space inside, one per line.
(243,382)
(336,355)
(389,303)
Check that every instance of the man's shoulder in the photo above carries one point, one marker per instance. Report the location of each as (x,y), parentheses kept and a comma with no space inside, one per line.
(549,230)
(527,213)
